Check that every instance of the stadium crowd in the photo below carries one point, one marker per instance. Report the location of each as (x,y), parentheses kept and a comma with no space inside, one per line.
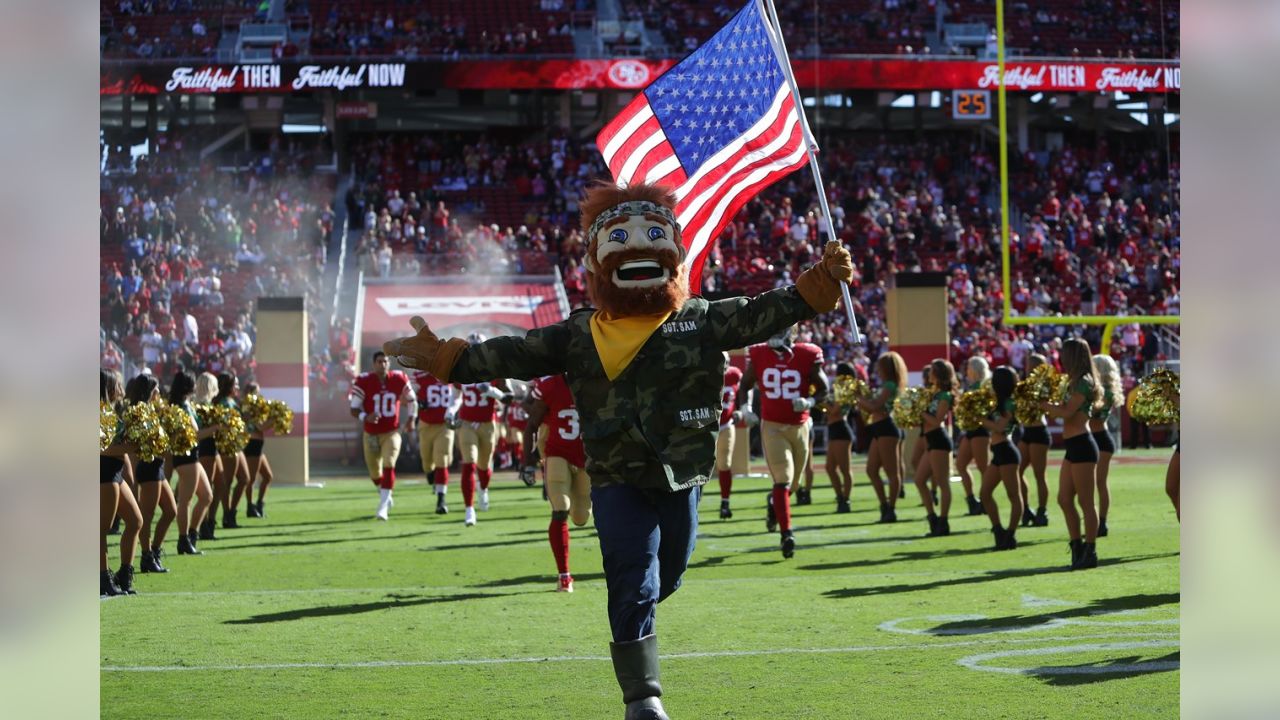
(154,29)
(186,249)
(1097,228)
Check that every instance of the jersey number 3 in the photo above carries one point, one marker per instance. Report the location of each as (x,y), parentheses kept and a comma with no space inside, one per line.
(570,418)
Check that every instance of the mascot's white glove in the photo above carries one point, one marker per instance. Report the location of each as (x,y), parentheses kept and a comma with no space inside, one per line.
(493,393)
(801,404)
(751,418)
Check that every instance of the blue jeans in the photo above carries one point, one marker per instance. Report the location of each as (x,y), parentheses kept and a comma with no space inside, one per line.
(646,539)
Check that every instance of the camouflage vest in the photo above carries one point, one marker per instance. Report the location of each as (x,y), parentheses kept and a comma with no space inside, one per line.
(655,425)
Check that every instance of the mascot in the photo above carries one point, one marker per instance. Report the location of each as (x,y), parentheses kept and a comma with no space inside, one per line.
(646,367)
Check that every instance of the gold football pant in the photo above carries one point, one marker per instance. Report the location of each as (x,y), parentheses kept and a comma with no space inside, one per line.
(569,488)
(435,444)
(381,451)
(476,444)
(786,450)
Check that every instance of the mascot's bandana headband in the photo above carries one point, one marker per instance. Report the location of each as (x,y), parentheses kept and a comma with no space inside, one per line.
(631,207)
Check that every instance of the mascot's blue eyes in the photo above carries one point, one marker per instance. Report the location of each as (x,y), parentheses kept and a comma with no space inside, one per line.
(656,233)
(618,235)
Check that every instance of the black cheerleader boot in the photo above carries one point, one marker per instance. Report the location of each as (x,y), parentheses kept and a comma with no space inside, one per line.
(187,546)
(933,526)
(1028,517)
(1102,527)
(124,580)
(635,663)
(107,585)
(999,534)
(150,564)
(884,513)
(1088,557)
(229,520)
(975,507)
(207,526)
(944,527)
(1077,549)
(1042,518)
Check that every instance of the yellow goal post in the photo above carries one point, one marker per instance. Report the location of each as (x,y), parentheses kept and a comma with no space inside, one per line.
(1109,322)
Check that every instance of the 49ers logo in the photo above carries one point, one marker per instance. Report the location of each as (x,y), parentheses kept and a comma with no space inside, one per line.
(629,73)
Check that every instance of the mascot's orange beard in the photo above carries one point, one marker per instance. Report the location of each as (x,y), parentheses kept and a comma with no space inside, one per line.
(620,302)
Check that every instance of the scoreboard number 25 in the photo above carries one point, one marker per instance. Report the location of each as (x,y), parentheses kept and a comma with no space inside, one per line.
(971,105)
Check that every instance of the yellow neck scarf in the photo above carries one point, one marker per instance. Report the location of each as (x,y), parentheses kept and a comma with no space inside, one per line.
(619,339)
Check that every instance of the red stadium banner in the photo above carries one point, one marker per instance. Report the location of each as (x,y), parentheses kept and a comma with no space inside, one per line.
(632,74)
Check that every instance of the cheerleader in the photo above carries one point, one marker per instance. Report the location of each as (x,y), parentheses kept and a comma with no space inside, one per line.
(192,478)
(918,445)
(840,444)
(1083,396)
(1112,398)
(234,467)
(886,440)
(207,453)
(1034,448)
(1003,468)
(115,498)
(973,445)
(153,487)
(257,464)
(938,453)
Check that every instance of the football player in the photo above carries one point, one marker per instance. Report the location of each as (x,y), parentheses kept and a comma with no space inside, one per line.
(375,400)
(785,371)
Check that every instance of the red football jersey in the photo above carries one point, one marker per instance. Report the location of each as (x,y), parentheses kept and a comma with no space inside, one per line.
(564,436)
(517,417)
(434,397)
(380,400)
(783,377)
(729,395)
(476,406)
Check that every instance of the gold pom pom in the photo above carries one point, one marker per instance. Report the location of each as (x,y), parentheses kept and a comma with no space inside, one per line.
(908,409)
(280,417)
(255,409)
(179,426)
(1041,386)
(975,406)
(848,390)
(143,428)
(232,435)
(107,423)
(1157,399)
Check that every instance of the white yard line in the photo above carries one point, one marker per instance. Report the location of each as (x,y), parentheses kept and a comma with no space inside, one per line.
(671,656)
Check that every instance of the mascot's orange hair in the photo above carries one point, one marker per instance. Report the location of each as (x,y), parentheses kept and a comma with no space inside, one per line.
(603,195)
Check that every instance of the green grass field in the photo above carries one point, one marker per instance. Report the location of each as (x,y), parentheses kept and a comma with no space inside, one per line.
(318,611)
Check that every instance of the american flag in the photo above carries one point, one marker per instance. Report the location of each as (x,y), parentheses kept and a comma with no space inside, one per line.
(717,128)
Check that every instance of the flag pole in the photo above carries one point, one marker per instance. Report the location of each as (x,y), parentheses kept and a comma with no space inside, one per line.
(811,145)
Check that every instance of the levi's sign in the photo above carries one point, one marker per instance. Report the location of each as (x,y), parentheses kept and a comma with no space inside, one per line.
(459,305)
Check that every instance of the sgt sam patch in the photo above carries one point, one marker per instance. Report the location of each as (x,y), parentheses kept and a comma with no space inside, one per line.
(679,327)
(702,414)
